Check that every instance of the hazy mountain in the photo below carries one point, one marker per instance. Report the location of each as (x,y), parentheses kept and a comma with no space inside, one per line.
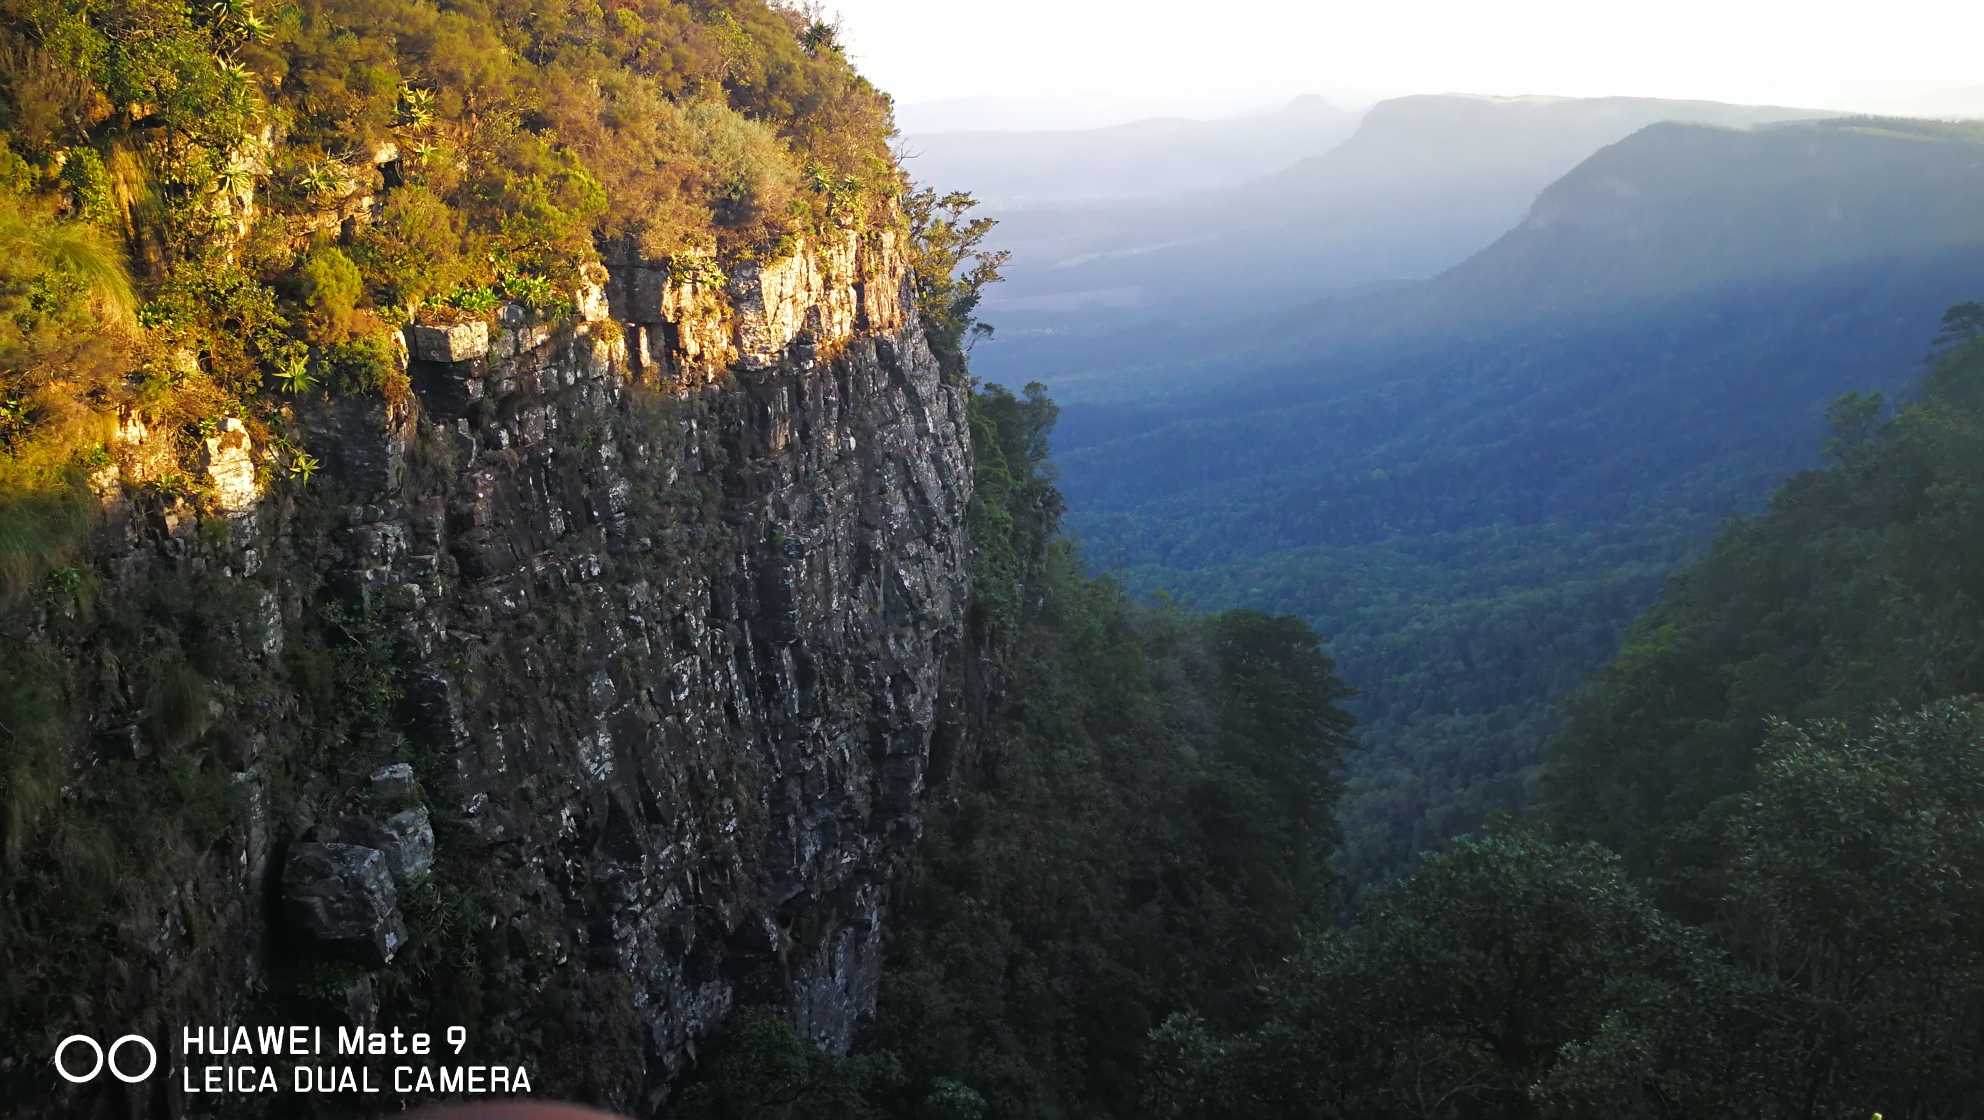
(1471,483)
(1423,183)
(1143,158)
(1093,110)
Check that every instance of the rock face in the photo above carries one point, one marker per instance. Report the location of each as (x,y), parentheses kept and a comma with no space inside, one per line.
(720,582)
(342,895)
(230,463)
(458,343)
(405,839)
(669,603)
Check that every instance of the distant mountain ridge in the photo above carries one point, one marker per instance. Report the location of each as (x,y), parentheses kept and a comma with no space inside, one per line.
(1673,210)
(1145,158)
(1422,184)
(1471,484)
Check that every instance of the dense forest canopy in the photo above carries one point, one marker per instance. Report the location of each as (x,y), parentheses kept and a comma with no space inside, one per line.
(1753,887)
(1857,593)
(1775,745)
(1474,484)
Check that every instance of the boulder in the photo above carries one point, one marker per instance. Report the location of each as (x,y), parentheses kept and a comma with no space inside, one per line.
(406,839)
(342,895)
(395,784)
(458,343)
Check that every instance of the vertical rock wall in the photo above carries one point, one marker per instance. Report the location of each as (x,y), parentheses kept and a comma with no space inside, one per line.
(707,595)
(669,598)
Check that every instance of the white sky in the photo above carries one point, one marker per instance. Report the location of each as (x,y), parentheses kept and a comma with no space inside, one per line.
(1231,54)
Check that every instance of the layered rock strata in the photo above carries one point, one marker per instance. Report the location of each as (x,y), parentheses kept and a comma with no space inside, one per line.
(669,599)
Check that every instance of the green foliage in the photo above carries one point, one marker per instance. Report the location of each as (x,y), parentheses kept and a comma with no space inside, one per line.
(751,176)
(1461,990)
(414,249)
(1146,827)
(89,186)
(365,367)
(33,731)
(474,300)
(1015,510)
(61,283)
(1849,909)
(1859,588)
(949,269)
(39,532)
(331,287)
(367,679)
(1857,884)
(756,1067)
(328,981)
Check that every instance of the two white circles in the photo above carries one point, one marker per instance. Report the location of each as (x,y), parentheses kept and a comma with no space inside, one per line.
(103,1059)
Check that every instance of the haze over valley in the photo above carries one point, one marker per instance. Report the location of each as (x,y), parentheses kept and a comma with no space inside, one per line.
(1051,560)
(1464,388)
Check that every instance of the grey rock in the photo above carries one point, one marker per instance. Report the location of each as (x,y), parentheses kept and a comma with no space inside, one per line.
(394,783)
(342,895)
(124,742)
(458,343)
(405,839)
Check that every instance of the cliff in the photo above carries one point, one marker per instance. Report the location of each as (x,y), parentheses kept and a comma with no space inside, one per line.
(637,626)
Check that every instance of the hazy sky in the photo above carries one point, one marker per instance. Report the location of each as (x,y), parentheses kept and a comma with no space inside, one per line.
(1236,53)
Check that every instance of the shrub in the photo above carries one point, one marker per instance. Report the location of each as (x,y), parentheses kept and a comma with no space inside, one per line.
(365,367)
(331,287)
(89,186)
(749,179)
(413,250)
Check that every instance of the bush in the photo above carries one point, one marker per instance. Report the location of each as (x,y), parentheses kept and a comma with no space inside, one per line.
(749,178)
(331,287)
(89,187)
(414,249)
(365,367)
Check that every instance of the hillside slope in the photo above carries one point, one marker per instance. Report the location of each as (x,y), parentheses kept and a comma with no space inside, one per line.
(1472,484)
(1424,182)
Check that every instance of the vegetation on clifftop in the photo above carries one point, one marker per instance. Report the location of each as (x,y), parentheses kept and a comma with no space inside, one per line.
(212,212)
(253,201)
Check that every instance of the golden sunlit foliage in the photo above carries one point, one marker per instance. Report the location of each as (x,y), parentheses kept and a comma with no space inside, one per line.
(247,197)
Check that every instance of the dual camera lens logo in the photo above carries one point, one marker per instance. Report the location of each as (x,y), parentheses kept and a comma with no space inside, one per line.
(106,1059)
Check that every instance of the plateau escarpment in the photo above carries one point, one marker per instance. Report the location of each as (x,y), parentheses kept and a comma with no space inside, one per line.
(636,625)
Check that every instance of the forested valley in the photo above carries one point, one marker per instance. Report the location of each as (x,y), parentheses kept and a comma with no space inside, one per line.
(1754,885)
(1473,484)
(402,447)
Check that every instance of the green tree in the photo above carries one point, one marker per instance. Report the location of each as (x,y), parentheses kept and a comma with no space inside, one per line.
(1850,974)
(1861,587)
(756,1067)
(1460,991)
(331,290)
(949,269)
(1858,884)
